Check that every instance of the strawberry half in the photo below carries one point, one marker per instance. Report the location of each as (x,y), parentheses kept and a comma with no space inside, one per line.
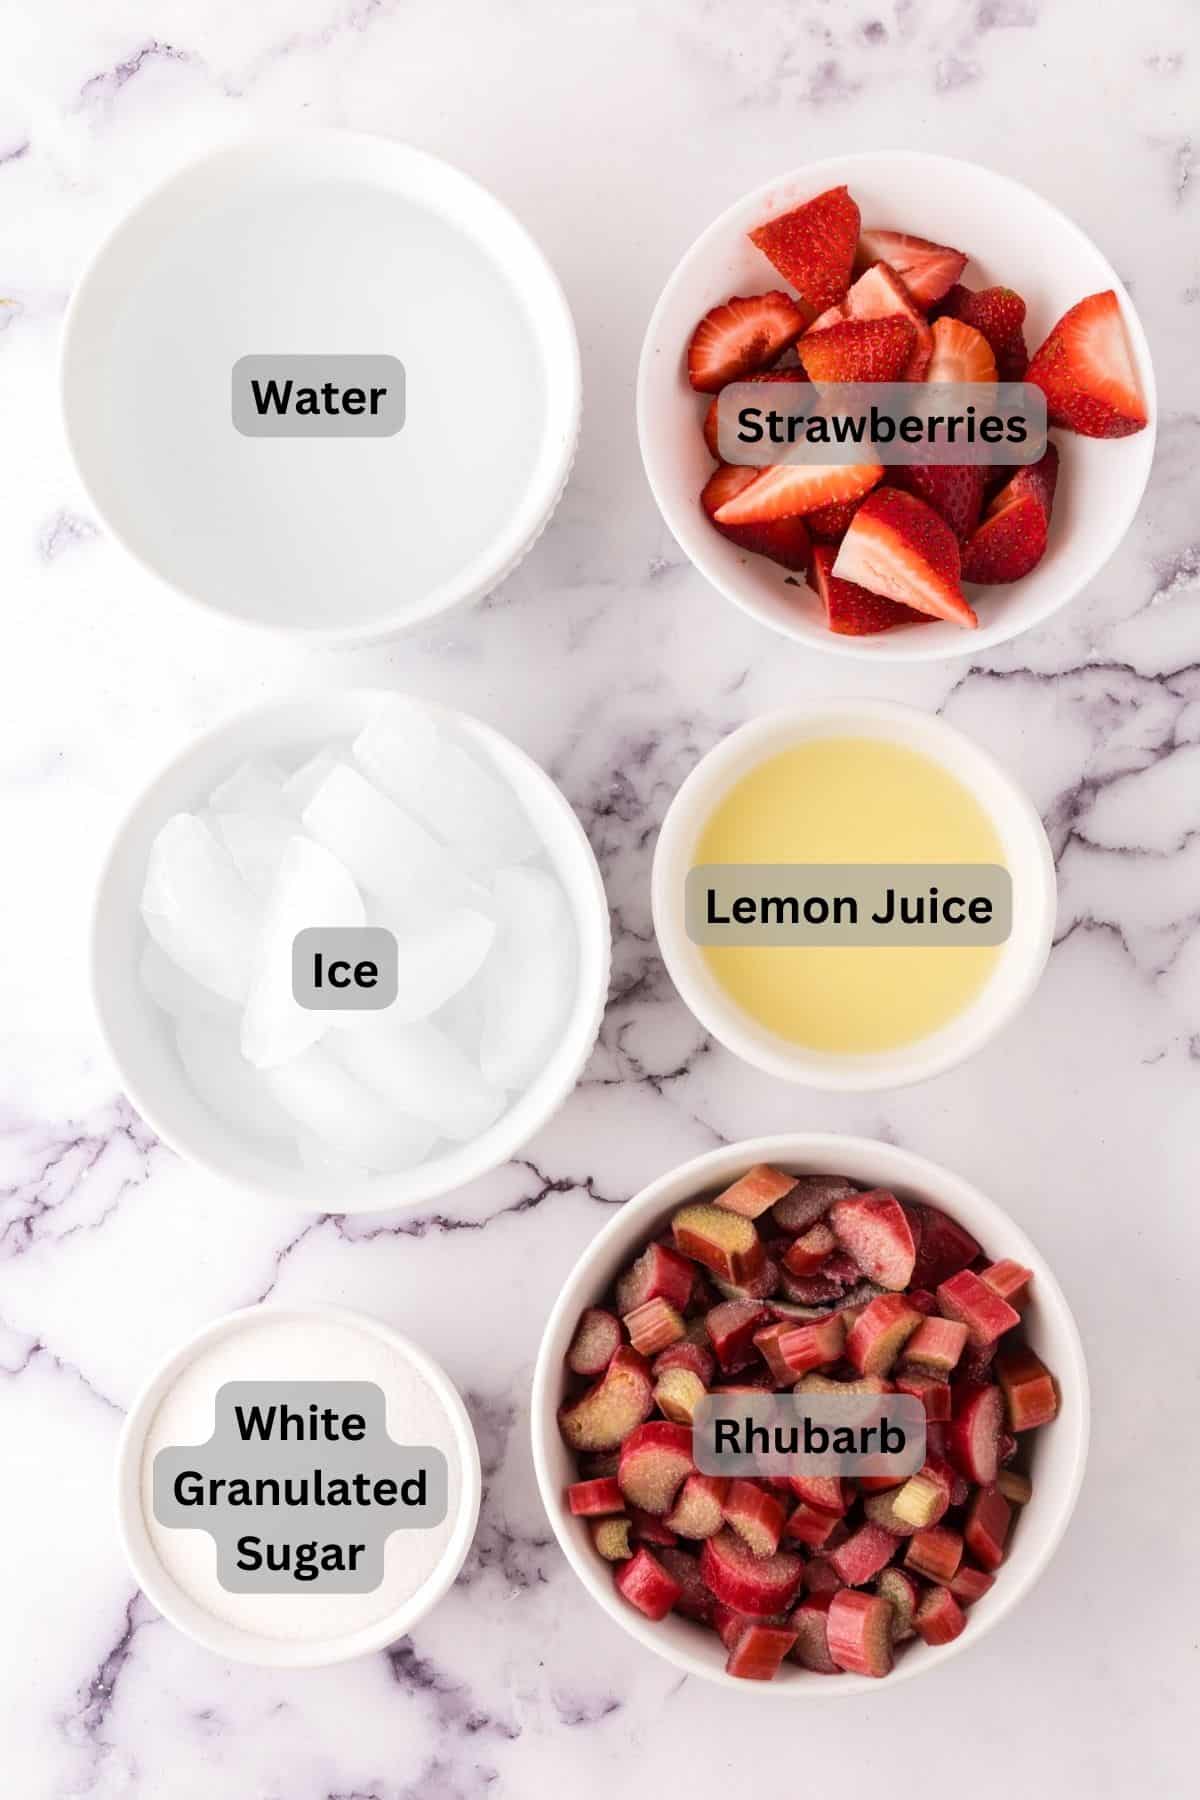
(850,610)
(1012,537)
(744,334)
(880,294)
(955,490)
(960,353)
(860,350)
(710,418)
(999,314)
(899,547)
(1085,369)
(784,540)
(813,247)
(927,270)
(786,489)
(829,524)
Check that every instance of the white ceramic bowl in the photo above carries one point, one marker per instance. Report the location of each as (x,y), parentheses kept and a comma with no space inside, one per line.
(1026,852)
(231,1641)
(1015,238)
(322,242)
(1059,1450)
(138,1036)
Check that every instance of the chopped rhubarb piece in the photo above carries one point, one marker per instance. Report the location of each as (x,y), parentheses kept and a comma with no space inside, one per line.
(973,1435)
(977,1363)
(758,1189)
(597,1340)
(586,1498)
(677,1394)
(759,1650)
(810,1198)
(878,1484)
(937,1344)
(922,1299)
(826,1291)
(594,1467)
(646,1585)
(695,1601)
(864,1553)
(819,1576)
(826,1492)
(649,1530)
(687,1354)
(1008,1279)
(985,1315)
(809,1525)
(604,1416)
(938,1618)
(659,1273)
(987,1526)
(933,1391)
(1016,1488)
(611,1538)
(722,1241)
(752,1584)
(746,333)
(756,1515)
(924,1498)
(860,1632)
(879,1508)
(655,1458)
(791,1351)
(880,1332)
(872,1228)
(935,1553)
(699,1510)
(758,1287)
(943,1247)
(970,1583)
(753,1381)
(731,1328)
(810,1621)
(1030,1397)
(653,1327)
(902,1593)
(806,1254)
(866,1384)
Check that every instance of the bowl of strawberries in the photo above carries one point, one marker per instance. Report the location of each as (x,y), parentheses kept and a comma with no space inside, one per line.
(813,1265)
(898,267)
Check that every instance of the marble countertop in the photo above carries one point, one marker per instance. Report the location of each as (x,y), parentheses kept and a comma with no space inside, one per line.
(617,132)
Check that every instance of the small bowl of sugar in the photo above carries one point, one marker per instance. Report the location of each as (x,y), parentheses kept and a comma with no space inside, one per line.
(350,951)
(297,1486)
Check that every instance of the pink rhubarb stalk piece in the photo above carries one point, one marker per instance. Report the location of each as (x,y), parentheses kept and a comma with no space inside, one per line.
(724,1242)
(659,1273)
(809,1200)
(695,1601)
(935,1553)
(810,1621)
(655,1459)
(731,1328)
(809,1525)
(938,1618)
(986,1316)
(759,1585)
(860,1632)
(933,1391)
(694,1357)
(970,1584)
(586,1499)
(758,1287)
(605,1415)
(677,1394)
(597,1340)
(1008,1279)
(936,1344)
(875,1232)
(649,1530)
(1030,1397)
(759,1650)
(986,1529)
(804,1255)
(943,1247)
(880,1332)
(791,1351)
(864,1553)
(825,1492)
(758,1189)
(902,1594)
(1016,1488)
(699,1510)
(924,1498)
(973,1434)
(646,1585)
(611,1538)
(654,1326)
(756,1515)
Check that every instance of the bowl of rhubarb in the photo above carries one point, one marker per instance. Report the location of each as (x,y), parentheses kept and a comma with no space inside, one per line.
(825,1265)
(895,267)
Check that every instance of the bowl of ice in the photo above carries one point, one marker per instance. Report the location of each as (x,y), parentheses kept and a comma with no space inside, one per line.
(358,809)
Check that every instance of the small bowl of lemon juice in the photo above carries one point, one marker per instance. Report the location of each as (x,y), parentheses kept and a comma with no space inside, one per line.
(852,895)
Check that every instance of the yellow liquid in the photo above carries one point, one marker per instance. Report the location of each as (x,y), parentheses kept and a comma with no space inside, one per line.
(850,800)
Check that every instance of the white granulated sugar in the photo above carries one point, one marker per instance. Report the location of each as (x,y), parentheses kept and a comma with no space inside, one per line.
(290,1349)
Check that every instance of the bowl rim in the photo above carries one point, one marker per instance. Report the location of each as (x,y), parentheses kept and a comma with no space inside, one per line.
(1003,995)
(560,437)
(232,1641)
(885,647)
(592,922)
(813,1150)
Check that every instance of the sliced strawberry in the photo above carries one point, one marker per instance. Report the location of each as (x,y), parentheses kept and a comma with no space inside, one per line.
(960,353)
(1085,369)
(744,334)
(786,489)
(860,350)
(954,490)
(927,270)
(879,294)
(829,524)
(813,246)
(784,540)
(850,610)
(999,313)
(1012,538)
(793,375)
(899,547)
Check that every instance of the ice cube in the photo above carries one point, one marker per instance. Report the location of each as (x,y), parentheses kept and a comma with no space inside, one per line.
(300,787)
(322,1160)
(461,1018)
(311,888)
(433,961)
(418,1068)
(174,990)
(417,761)
(197,907)
(349,1120)
(255,786)
(256,842)
(528,980)
(389,853)
(225,1083)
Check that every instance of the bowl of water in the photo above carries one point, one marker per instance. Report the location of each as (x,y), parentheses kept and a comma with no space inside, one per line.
(357,811)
